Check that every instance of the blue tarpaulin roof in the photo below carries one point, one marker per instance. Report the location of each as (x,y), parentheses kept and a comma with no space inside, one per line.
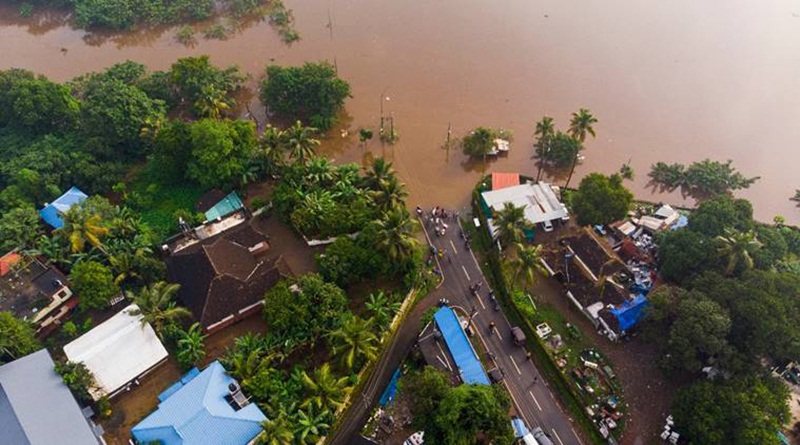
(198,414)
(391,390)
(224,207)
(630,312)
(519,427)
(51,213)
(457,342)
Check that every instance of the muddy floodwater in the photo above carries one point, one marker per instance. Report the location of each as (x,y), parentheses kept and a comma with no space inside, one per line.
(676,80)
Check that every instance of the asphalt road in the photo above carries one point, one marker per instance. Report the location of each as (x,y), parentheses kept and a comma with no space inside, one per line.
(530,394)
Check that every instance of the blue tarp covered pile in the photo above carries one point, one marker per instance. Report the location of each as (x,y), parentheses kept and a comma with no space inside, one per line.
(629,313)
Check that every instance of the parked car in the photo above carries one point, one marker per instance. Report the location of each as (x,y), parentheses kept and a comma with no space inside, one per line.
(541,437)
(517,336)
(547,226)
(496,375)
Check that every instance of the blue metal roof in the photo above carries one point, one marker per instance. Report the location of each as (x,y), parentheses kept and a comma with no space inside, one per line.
(457,342)
(224,207)
(51,213)
(198,414)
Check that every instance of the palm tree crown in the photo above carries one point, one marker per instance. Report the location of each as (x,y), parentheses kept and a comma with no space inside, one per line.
(81,227)
(300,143)
(324,390)
(737,248)
(157,306)
(528,262)
(353,340)
(394,235)
(379,172)
(391,194)
(277,431)
(582,123)
(510,223)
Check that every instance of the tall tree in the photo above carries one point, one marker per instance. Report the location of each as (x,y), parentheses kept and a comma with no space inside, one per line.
(510,223)
(737,248)
(311,93)
(323,389)
(478,143)
(601,199)
(544,132)
(157,305)
(93,283)
(17,338)
(581,125)
(221,151)
(381,308)
(300,142)
(354,340)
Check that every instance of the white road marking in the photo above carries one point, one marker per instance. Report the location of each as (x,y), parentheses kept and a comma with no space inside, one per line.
(516,405)
(515,365)
(556,434)
(576,436)
(454,247)
(497,331)
(535,401)
(465,272)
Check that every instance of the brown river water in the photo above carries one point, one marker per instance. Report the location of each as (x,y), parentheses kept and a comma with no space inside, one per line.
(676,80)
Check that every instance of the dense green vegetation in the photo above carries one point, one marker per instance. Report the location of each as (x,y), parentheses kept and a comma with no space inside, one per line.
(311,93)
(701,179)
(732,304)
(558,149)
(480,141)
(456,415)
(601,199)
(124,15)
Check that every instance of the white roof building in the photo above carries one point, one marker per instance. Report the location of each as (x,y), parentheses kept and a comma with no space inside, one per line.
(117,351)
(539,201)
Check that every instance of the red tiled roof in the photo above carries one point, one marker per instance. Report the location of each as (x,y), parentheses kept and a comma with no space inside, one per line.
(8,260)
(503,180)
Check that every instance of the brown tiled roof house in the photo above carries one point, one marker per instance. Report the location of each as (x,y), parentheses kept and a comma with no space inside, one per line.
(224,277)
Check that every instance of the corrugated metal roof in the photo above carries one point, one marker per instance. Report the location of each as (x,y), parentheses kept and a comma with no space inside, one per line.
(503,180)
(117,351)
(460,348)
(538,200)
(224,207)
(51,213)
(198,414)
(36,407)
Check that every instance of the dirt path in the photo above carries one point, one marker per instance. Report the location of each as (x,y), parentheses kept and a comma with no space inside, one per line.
(645,390)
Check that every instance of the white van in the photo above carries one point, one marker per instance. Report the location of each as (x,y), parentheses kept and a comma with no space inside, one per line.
(547,226)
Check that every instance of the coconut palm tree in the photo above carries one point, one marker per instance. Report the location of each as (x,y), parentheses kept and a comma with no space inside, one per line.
(354,340)
(190,346)
(379,172)
(581,125)
(324,390)
(244,365)
(277,431)
(394,235)
(737,248)
(212,102)
(380,306)
(391,194)
(299,142)
(81,227)
(157,305)
(510,223)
(528,263)
(309,427)
(544,132)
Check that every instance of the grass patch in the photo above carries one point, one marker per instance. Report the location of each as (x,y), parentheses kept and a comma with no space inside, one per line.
(158,202)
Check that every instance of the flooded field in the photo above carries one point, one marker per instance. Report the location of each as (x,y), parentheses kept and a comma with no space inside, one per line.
(673,81)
